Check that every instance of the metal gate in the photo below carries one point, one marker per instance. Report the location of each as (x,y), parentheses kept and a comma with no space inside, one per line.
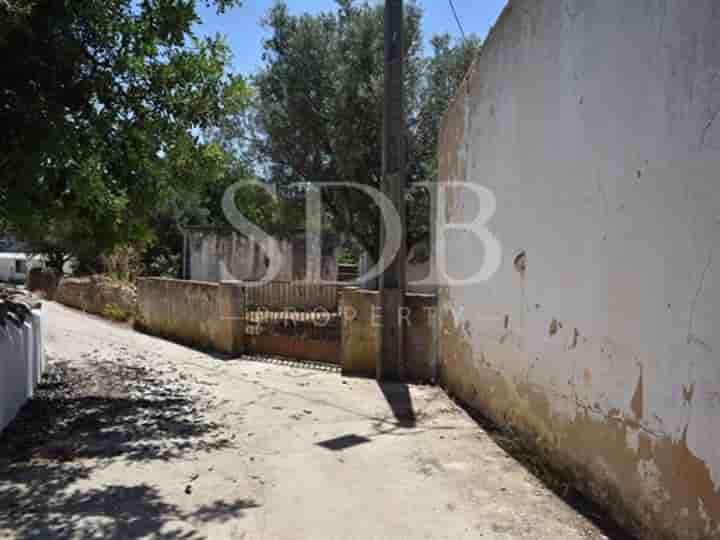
(294,320)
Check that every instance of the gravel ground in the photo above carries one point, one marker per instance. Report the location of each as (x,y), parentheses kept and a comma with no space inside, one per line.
(134,437)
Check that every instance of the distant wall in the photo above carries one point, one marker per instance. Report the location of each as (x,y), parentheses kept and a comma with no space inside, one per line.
(204,315)
(596,124)
(22,363)
(97,295)
(215,255)
(361,334)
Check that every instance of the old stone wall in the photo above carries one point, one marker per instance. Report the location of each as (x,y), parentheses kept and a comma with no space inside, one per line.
(98,295)
(596,124)
(204,315)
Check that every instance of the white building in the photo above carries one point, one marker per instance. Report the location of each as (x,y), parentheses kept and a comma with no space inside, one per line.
(14,267)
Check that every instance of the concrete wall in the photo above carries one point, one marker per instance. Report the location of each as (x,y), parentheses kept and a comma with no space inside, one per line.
(204,315)
(361,334)
(215,255)
(596,123)
(421,337)
(22,363)
(360,331)
(209,249)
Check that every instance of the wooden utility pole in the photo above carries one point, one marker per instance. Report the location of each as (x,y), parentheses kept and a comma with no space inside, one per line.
(393,281)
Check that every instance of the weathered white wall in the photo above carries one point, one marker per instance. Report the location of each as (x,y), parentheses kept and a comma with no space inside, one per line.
(22,362)
(596,123)
(217,255)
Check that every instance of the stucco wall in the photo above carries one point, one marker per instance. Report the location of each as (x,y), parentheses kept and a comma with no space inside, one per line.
(204,315)
(22,363)
(596,123)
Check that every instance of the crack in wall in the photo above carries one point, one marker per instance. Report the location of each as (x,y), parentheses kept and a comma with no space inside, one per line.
(603,195)
(691,338)
(713,113)
(706,130)
(661,30)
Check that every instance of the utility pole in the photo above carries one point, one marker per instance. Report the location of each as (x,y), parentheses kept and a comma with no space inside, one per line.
(393,282)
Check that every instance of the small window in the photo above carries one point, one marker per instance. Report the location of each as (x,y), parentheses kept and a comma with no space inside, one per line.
(21,267)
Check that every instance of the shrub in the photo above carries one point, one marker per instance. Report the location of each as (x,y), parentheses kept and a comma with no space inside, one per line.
(116,313)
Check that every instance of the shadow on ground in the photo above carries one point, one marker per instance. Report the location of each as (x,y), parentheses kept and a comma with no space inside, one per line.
(109,411)
(398,397)
(76,422)
(40,504)
(560,482)
(405,418)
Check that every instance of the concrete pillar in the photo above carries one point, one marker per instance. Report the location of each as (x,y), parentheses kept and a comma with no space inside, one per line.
(360,331)
(231,303)
(362,334)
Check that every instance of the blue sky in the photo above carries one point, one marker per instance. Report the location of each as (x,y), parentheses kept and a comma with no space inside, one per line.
(244,33)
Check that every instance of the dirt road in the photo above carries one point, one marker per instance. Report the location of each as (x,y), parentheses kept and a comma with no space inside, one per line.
(134,437)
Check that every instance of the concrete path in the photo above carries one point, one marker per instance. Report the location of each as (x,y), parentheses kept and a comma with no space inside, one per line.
(135,437)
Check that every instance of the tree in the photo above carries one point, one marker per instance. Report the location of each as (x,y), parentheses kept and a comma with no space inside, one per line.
(102,103)
(319,108)
(444,72)
(320,104)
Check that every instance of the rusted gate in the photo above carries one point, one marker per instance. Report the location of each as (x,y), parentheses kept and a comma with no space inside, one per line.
(306,331)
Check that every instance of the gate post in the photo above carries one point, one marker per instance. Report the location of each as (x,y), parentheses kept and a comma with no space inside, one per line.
(231,303)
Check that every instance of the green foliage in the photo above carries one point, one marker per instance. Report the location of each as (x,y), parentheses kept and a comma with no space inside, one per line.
(445,70)
(122,264)
(102,103)
(116,313)
(347,256)
(319,108)
(119,126)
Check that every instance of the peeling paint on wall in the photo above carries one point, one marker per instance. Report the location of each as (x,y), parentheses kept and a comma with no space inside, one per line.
(612,374)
